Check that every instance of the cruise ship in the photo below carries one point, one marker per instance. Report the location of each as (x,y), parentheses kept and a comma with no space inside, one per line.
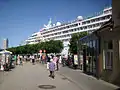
(35,38)
(64,31)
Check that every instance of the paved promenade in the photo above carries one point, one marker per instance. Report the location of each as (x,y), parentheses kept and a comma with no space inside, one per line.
(33,77)
(86,82)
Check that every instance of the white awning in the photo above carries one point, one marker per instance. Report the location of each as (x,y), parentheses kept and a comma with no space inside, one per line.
(5,52)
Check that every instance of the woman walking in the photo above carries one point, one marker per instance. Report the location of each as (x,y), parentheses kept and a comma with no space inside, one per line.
(52,68)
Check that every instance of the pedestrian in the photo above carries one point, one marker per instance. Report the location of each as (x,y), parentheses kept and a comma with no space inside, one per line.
(33,60)
(18,60)
(40,58)
(52,68)
(48,61)
(57,64)
(15,59)
(63,61)
(21,62)
(55,61)
(43,59)
(69,62)
(25,58)
(60,59)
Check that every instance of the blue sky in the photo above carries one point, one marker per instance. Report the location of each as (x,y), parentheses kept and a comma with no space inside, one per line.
(20,18)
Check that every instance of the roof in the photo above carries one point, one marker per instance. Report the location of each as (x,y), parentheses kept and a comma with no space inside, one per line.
(106,24)
(88,38)
(93,35)
(84,37)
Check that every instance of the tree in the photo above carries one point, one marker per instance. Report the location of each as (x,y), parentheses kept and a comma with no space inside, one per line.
(50,46)
(12,49)
(73,41)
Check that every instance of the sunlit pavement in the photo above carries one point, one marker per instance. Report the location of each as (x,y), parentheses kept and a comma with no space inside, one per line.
(34,77)
(86,82)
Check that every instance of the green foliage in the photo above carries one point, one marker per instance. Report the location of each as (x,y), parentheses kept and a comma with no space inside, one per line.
(73,41)
(50,46)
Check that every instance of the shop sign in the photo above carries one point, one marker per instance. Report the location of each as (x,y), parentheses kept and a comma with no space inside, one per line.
(75,59)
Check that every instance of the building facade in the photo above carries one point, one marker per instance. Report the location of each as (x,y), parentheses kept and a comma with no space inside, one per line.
(5,43)
(101,52)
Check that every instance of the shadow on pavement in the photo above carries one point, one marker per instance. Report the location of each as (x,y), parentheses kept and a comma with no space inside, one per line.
(8,70)
(46,86)
(117,89)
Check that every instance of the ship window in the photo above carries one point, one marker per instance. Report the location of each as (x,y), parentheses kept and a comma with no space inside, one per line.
(81,28)
(108,16)
(97,19)
(93,20)
(89,26)
(67,26)
(72,30)
(75,25)
(75,29)
(93,25)
(83,23)
(65,31)
(98,24)
(88,22)
(103,18)
(85,27)
(101,23)
(70,25)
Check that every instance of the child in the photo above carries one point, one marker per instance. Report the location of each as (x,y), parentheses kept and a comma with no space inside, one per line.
(52,68)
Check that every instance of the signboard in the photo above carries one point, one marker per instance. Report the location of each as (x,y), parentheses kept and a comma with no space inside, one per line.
(75,59)
(81,59)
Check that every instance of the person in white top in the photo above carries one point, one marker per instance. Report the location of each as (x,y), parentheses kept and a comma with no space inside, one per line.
(33,59)
(18,60)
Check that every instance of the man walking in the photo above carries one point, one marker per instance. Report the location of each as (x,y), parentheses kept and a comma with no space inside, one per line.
(48,61)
